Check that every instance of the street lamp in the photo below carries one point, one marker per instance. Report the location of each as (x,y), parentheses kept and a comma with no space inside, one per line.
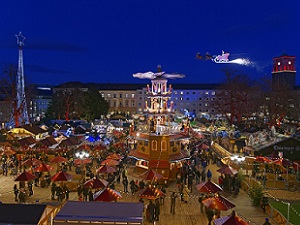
(82,155)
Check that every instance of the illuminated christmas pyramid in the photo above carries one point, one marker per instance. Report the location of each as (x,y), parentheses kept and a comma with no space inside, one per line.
(160,143)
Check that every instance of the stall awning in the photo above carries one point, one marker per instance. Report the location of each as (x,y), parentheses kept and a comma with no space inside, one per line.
(109,212)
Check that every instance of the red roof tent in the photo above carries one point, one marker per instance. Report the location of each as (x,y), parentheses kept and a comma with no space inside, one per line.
(34,129)
(138,155)
(49,141)
(26,141)
(109,212)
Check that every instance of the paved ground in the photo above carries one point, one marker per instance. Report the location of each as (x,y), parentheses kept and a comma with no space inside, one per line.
(186,213)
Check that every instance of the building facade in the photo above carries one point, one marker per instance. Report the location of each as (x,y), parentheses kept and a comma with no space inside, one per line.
(284,70)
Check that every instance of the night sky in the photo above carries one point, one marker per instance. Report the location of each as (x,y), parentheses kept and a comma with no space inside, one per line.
(108,41)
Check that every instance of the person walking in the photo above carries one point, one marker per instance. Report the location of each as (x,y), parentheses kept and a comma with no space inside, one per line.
(66,190)
(185,193)
(85,193)
(16,192)
(210,215)
(79,190)
(201,198)
(203,176)
(59,193)
(264,203)
(132,187)
(157,210)
(173,202)
(267,222)
(125,184)
(80,197)
(22,196)
(53,189)
(209,175)
(30,189)
(151,211)
(190,180)
(91,196)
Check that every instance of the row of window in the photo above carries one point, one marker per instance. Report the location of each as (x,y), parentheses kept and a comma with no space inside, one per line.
(132,95)
(120,103)
(194,93)
(193,104)
(199,110)
(194,99)
(120,95)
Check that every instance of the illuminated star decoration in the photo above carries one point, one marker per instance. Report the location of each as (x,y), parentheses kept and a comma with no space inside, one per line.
(20,39)
(152,75)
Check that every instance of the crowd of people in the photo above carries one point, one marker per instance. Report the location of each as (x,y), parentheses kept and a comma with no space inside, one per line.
(192,172)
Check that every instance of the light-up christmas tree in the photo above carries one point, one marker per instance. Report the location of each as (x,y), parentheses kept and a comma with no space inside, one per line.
(20,114)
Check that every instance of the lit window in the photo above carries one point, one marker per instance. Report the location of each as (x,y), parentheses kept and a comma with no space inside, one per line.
(108,95)
(132,95)
(207,93)
(126,95)
(181,92)
(290,63)
(163,145)
(102,95)
(213,93)
(278,63)
(154,145)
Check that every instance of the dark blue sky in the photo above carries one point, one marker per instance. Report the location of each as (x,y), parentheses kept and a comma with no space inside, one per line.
(108,41)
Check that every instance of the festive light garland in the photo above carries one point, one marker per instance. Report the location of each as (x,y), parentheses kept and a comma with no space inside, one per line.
(286,203)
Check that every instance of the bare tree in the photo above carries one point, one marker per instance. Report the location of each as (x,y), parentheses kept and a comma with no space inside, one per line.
(8,94)
(279,102)
(235,97)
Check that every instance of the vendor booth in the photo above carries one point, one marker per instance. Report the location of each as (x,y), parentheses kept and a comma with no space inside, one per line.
(29,214)
(74,212)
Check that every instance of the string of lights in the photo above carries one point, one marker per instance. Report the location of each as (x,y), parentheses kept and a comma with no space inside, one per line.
(284,202)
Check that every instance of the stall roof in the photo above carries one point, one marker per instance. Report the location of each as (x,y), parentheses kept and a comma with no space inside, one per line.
(21,213)
(117,212)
